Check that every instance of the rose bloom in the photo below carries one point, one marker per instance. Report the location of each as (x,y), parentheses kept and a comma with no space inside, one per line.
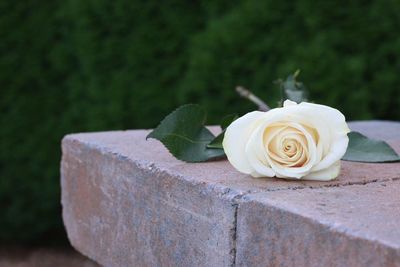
(298,141)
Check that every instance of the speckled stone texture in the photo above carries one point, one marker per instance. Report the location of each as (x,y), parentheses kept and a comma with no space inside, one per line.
(128,202)
(340,226)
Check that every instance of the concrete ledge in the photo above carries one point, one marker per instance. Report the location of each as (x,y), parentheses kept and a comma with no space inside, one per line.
(127,202)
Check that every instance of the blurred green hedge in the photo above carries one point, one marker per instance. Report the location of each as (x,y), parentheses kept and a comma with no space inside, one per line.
(71,66)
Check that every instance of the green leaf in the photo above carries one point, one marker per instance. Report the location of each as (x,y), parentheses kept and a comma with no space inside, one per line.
(364,149)
(183,133)
(292,89)
(217,142)
(226,121)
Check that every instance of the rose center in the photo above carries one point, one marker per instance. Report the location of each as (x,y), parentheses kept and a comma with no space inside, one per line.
(288,147)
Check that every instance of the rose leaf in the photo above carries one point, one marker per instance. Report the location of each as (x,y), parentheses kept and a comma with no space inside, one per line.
(364,149)
(293,89)
(183,133)
(226,121)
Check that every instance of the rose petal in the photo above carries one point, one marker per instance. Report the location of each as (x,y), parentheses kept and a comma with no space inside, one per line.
(337,150)
(338,134)
(288,103)
(236,137)
(332,130)
(256,157)
(325,175)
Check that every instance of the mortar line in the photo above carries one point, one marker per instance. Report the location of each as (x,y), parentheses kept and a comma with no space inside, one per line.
(325,186)
(234,235)
(236,201)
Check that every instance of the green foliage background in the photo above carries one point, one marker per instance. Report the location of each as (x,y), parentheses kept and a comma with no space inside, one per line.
(72,66)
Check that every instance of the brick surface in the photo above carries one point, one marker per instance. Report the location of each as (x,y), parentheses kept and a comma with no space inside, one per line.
(128,202)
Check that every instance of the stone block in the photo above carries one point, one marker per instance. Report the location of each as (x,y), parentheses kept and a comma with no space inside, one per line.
(128,202)
(354,225)
(122,212)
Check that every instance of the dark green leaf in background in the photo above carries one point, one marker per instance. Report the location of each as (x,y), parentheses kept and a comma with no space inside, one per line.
(127,71)
(364,149)
(183,133)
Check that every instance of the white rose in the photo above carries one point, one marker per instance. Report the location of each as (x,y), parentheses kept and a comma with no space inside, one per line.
(302,141)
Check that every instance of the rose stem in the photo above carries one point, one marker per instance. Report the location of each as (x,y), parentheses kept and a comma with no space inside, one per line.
(243,92)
